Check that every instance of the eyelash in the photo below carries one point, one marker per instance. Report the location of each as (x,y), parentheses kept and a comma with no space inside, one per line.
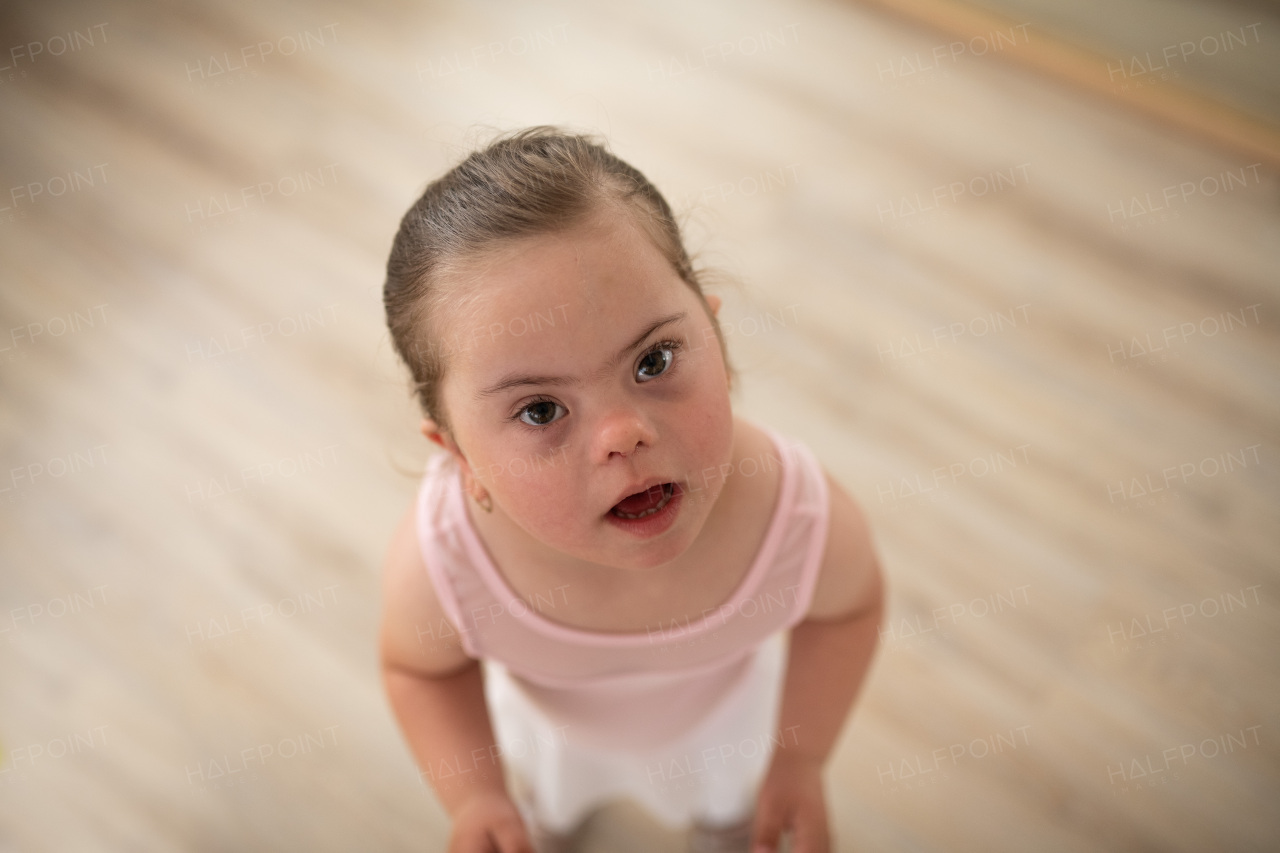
(674,346)
(520,411)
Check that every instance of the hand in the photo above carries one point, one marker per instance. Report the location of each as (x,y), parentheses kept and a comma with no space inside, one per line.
(489,823)
(791,798)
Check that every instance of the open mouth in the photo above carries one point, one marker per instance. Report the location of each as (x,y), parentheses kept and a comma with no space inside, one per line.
(644,503)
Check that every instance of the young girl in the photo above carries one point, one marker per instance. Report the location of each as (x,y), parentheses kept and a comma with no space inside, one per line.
(608,586)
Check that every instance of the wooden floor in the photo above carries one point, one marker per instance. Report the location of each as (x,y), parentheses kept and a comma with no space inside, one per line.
(1035,336)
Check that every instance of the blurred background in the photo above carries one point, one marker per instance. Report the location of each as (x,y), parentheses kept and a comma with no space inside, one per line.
(1009,268)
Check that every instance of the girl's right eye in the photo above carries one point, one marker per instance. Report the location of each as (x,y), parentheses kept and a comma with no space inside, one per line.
(541,412)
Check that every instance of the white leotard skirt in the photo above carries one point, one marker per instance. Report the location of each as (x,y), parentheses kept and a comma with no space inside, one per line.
(711,774)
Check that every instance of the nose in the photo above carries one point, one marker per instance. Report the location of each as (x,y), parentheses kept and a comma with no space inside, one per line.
(623,430)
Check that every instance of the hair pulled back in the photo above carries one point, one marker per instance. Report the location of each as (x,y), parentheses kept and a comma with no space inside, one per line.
(538,180)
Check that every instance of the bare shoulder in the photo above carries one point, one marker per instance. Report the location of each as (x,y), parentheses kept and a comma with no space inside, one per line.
(415,634)
(849,580)
(756,459)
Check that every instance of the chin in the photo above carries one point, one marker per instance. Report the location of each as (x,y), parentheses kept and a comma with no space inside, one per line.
(653,555)
(637,565)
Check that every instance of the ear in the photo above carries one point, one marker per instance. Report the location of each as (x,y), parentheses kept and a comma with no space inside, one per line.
(714,302)
(431,430)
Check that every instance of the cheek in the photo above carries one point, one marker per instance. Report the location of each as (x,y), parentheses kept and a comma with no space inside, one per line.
(717,433)
(545,501)
(709,404)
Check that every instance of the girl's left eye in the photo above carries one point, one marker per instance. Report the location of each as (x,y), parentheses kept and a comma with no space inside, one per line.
(657,361)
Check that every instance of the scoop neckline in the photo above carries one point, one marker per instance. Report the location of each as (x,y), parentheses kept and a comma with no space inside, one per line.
(496,582)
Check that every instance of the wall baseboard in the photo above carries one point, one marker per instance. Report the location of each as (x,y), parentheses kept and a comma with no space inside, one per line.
(1170,103)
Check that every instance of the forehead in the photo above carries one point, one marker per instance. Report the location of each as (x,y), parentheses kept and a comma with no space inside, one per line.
(583,287)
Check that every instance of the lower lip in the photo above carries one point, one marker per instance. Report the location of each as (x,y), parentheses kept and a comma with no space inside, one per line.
(655,523)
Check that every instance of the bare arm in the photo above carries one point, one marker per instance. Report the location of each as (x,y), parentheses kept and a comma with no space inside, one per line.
(831,651)
(437,694)
(830,654)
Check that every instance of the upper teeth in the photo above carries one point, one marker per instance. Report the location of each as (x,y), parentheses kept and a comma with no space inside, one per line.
(667,492)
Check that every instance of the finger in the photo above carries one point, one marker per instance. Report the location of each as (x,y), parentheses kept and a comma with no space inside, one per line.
(510,837)
(470,842)
(771,819)
(810,833)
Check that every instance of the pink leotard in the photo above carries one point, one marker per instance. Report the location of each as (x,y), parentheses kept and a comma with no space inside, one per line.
(628,690)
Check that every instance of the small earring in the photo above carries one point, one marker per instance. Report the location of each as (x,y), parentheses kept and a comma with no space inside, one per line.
(485,503)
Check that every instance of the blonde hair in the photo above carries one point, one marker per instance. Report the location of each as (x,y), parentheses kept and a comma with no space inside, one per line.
(538,180)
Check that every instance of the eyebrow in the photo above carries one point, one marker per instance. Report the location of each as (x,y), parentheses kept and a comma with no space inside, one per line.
(515,380)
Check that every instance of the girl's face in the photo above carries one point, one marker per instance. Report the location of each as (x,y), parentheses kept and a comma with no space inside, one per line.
(582,369)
